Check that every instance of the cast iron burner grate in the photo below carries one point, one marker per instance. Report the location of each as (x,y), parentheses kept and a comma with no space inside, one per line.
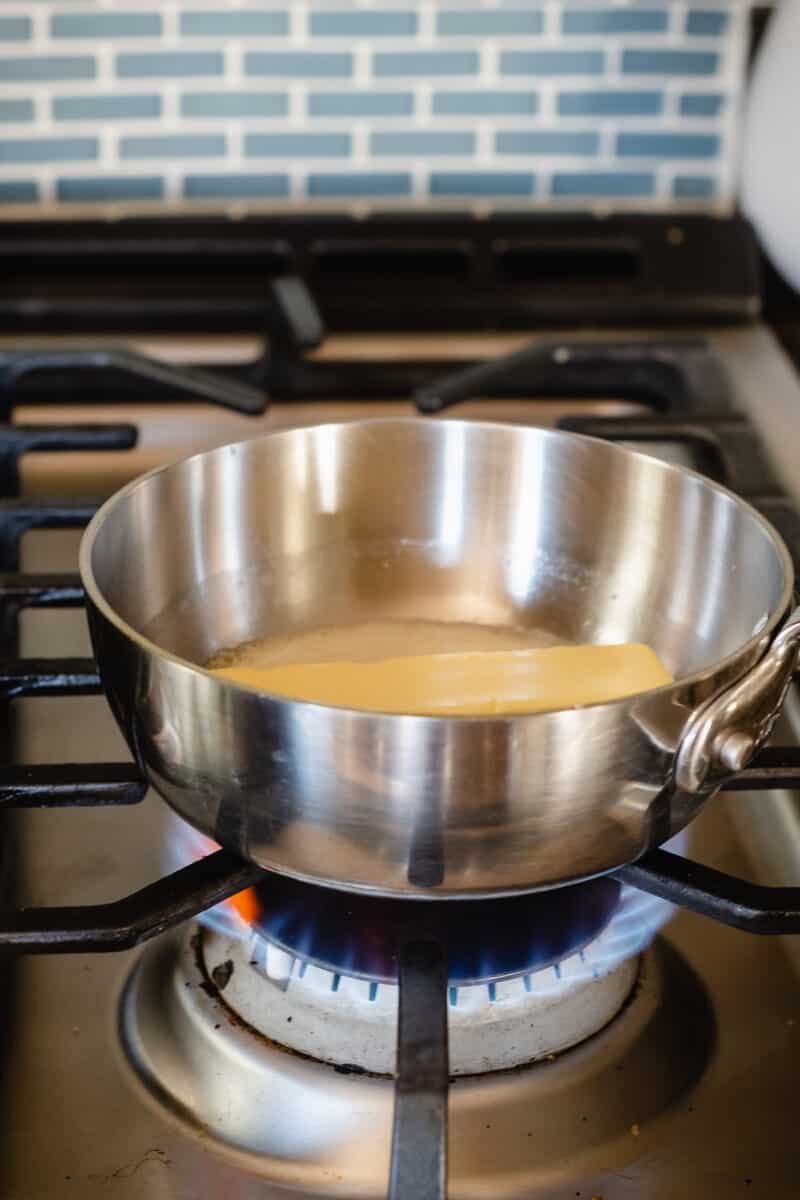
(682,385)
(131,920)
(687,392)
(677,378)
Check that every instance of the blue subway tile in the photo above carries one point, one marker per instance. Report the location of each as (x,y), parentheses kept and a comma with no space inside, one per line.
(173,145)
(603,183)
(43,150)
(547,141)
(668,145)
(701,104)
(694,187)
(363,24)
(18,191)
(477,22)
(15,29)
(552,62)
(360,183)
(361,104)
(412,143)
(235,187)
(234,104)
(102,108)
(669,62)
(47,69)
(476,103)
(16,110)
(425,63)
(235,23)
(169,64)
(615,20)
(298,63)
(97,189)
(482,183)
(706,22)
(105,25)
(610,104)
(297,145)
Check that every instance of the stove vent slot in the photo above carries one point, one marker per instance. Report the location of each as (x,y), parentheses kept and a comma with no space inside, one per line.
(348,262)
(573,262)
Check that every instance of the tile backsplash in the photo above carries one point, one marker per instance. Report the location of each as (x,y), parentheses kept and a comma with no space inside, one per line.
(196,105)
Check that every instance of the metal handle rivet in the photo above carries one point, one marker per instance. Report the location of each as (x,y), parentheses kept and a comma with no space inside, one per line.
(734,750)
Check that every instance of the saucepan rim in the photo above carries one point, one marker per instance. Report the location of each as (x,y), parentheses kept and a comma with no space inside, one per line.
(760,639)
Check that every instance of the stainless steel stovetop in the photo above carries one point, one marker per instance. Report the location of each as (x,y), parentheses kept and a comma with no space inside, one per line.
(690,1092)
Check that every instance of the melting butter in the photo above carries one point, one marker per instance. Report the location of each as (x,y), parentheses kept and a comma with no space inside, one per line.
(517,677)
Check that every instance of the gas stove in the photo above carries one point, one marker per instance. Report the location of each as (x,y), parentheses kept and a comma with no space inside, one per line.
(599,1044)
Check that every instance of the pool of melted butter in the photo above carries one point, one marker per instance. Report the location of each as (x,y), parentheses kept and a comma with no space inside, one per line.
(439,668)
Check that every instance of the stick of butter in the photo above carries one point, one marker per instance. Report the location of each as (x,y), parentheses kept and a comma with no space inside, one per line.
(473,683)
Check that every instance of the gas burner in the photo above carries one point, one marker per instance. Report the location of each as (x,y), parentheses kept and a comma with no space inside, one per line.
(314,969)
(352,934)
(512,998)
(487,940)
(352,1022)
(302,1123)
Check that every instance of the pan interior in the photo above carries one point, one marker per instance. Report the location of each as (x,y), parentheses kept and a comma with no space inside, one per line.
(441,521)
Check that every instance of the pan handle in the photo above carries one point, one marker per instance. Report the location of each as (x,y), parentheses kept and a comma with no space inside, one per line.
(724,733)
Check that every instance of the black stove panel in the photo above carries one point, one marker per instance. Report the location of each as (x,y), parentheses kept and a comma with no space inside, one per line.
(443,271)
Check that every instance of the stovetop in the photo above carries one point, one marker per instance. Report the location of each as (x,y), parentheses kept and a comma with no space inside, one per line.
(690,1091)
(78,1122)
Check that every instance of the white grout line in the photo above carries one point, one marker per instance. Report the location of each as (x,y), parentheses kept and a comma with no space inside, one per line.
(296,118)
(359,157)
(362,65)
(424,107)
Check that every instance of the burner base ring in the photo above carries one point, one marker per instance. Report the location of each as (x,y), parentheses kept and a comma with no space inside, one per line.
(346,1021)
(304,1125)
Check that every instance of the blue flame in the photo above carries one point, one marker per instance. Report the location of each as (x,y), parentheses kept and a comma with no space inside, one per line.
(609,924)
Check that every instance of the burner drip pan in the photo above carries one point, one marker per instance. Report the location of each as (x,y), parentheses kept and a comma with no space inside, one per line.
(310,1126)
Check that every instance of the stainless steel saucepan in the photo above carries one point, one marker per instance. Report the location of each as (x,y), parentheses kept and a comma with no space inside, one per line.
(453,521)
